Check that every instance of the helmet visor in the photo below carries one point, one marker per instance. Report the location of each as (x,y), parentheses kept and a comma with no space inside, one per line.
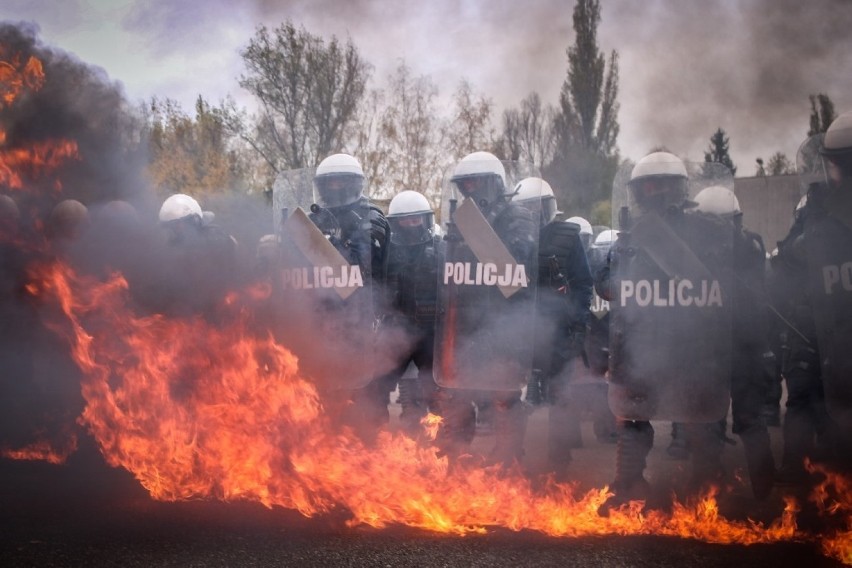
(479,187)
(411,229)
(658,191)
(338,190)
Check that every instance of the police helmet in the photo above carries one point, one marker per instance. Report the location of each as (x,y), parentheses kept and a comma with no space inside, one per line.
(585,229)
(719,201)
(606,238)
(533,193)
(658,181)
(338,181)
(410,218)
(480,176)
(180,206)
(599,249)
(837,144)
(67,219)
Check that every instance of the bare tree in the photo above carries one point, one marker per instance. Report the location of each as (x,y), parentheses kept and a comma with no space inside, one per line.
(470,128)
(309,90)
(779,165)
(528,133)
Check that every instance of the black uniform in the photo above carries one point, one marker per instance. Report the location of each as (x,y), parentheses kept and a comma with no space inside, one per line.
(807,425)
(564,297)
(752,359)
(197,269)
(412,284)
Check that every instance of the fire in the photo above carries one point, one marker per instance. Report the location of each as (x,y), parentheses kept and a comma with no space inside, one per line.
(38,159)
(201,411)
(44,450)
(833,497)
(15,76)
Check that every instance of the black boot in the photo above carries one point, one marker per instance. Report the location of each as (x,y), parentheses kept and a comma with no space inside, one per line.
(635,440)
(761,464)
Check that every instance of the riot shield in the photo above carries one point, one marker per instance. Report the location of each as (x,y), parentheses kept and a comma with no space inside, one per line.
(485,317)
(669,280)
(828,247)
(322,285)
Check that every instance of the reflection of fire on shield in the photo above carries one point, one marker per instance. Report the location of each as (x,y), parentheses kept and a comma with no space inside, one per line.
(485,308)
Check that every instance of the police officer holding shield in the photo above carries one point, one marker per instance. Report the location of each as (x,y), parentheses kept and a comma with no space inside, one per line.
(486,297)
(752,359)
(328,263)
(670,308)
(564,295)
(821,244)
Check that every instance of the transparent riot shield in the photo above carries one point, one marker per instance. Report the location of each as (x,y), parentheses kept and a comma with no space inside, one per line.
(322,284)
(485,317)
(828,247)
(669,283)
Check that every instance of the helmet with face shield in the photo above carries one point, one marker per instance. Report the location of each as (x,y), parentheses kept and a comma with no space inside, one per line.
(411,218)
(837,148)
(658,182)
(719,201)
(481,177)
(178,207)
(338,181)
(585,230)
(535,193)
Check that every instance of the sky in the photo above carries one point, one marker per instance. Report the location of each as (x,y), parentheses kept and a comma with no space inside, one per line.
(686,67)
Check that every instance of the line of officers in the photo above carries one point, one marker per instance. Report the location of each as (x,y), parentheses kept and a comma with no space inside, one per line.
(697,318)
(718,330)
(676,315)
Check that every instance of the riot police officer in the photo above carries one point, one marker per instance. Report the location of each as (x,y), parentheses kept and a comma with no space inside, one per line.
(359,231)
(812,267)
(670,321)
(564,295)
(486,302)
(411,281)
(343,207)
(197,262)
(752,359)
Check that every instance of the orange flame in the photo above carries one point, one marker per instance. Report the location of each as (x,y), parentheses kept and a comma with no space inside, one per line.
(35,162)
(42,157)
(197,411)
(833,497)
(44,450)
(15,76)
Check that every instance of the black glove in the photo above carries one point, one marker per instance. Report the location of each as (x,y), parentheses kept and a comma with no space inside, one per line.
(379,230)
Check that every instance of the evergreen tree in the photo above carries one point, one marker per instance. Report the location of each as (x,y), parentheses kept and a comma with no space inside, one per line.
(822,113)
(586,124)
(718,150)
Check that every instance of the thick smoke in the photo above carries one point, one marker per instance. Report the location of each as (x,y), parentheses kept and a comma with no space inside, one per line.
(688,68)
(77,103)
